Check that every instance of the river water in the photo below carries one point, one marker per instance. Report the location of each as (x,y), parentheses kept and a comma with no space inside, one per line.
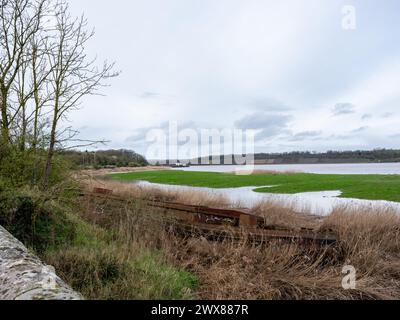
(364,168)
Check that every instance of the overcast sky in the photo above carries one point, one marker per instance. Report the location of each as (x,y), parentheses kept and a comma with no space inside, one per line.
(285,68)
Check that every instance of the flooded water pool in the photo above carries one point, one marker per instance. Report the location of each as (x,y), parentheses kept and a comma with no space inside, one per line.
(316,203)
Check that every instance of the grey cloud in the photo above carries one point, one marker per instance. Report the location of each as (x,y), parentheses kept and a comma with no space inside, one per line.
(260,120)
(349,134)
(387,115)
(306,135)
(360,130)
(270,124)
(343,109)
(139,135)
(154,95)
(340,137)
(269,105)
(367,116)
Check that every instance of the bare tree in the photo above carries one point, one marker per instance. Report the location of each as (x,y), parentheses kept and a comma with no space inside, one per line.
(73,75)
(44,72)
(23,95)
(41,71)
(32,92)
(20,20)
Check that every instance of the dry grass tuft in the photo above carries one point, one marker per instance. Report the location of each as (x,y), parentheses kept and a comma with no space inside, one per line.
(132,191)
(275,214)
(368,240)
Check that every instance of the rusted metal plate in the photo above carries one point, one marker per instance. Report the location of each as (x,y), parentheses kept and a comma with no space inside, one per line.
(102,191)
(248,221)
(225,223)
(255,236)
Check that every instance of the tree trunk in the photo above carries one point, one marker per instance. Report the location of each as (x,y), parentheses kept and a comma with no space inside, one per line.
(24,127)
(49,161)
(35,124)
(37,102)
(5,131)
(50,153)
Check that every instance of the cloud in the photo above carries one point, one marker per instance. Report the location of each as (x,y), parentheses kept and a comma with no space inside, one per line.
(139,136)
(268,125)
(343,109)
(366,116)
(387,115)
(269,105)
(154,95)
(226,60)
(360,130)
(306,135)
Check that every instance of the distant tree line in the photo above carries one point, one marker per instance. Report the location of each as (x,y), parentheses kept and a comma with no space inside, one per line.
(308,157)
(378,155)
(105,159)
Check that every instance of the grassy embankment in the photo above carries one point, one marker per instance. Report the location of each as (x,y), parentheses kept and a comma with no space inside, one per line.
(115,258)
(368,187)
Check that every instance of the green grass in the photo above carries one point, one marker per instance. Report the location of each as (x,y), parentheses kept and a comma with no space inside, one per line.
(163,281)
(104,273)
(95,260)
(368,187)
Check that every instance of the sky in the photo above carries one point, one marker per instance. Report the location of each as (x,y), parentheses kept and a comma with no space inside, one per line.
(294,71)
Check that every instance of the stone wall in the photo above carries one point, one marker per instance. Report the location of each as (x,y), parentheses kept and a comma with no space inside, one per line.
(24,277)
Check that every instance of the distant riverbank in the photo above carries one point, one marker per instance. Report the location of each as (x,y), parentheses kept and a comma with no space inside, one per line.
(338,168)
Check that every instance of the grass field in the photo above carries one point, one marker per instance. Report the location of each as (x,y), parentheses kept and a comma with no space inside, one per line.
(368,187)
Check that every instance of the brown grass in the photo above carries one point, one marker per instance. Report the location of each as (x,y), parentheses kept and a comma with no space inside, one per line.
(286,216)
(368,239)
(132,191)
(90,173)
